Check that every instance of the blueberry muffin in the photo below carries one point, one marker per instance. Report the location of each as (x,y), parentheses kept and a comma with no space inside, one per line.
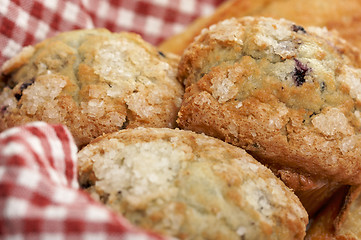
(189,186)
(290,96)
(93,81)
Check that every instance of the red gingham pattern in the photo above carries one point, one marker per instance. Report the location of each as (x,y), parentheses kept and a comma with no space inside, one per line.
(39,192)
(26,22)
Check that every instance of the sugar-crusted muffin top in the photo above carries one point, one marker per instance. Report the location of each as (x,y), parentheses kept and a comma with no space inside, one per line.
(287,94)
(306,68)
(173,180)
(94,81)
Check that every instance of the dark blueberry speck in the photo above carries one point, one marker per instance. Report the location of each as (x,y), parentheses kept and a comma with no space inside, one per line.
(3,109)
(323,86)
(299,73)
(7,80)
(297,28)
(313,114)
(86,185)
(161,53)
(24,86)
(18,96)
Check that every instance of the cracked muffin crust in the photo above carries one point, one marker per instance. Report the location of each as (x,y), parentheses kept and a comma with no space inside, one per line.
(290,96)
(93,81)
(189,186)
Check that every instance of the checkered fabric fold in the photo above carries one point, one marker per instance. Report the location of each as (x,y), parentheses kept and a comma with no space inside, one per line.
(39,192)
(26,22)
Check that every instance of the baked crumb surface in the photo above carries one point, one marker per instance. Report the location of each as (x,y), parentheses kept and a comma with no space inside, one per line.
(287,94)
(93,81)
(189,186)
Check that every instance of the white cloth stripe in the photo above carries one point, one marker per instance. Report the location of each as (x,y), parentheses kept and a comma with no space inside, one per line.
(103,9)
(57,174)
(89,23)
(64,195)
(71,12)
(125,17)
(177,28)
(28,178)
(187,6)
(9,132)
(86,3)
(51,4)
(163,3)
(55,212)
(42,30)
(15,208)
(57,153)
(13,148)
(23,19)
(4,6)
(95,236)
(153,25)
(207,9)
(11,48)
(97,214)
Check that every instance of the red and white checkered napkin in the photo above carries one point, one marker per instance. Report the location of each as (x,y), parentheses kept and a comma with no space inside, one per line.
(26,22)
(39,192)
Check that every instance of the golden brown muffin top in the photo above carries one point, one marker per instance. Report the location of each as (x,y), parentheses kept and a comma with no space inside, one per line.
(289,95)
(93,81)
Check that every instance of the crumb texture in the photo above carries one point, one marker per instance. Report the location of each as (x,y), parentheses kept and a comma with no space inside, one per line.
(289,95)
(93,81)
(189,186)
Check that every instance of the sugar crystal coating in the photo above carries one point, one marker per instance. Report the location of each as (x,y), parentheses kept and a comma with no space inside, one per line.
(93,81)
(287,94)
(189,186)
